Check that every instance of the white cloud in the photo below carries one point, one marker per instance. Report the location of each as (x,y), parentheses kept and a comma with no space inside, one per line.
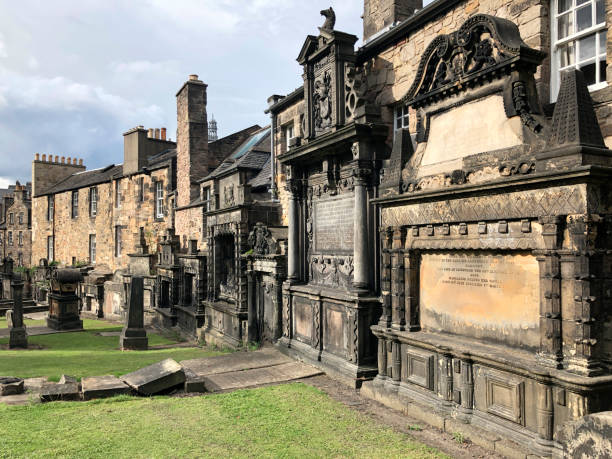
(5,182)
(3,53)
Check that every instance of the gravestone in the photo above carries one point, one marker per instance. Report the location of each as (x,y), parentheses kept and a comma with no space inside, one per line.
(10,386)
(134,335)
(63,301)
(156,378)
(18,337)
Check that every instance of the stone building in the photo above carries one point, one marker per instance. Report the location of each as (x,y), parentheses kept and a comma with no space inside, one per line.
(16,227)
(447,195)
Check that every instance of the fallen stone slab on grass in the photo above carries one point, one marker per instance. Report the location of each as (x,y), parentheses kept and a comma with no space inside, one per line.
(34,384)
(156,378)
(21,399)
(52,392)
(65,379)
(10,386)
(103,386)
(193,382)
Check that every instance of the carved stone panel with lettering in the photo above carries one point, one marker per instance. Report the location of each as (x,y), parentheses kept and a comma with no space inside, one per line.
(333,220)
(482,295)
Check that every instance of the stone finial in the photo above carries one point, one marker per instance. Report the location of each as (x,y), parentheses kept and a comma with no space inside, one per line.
(574,121)
(330,19)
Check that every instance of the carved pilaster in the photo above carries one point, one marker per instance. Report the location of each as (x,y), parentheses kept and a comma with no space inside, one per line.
(286,314)
(467,390)
(396,374)
(411,284)
(387,243)
(382,357)
(316,323)
(294,189)
(398,279)
(362,171)
(445,371)
(545,411)
(353,327)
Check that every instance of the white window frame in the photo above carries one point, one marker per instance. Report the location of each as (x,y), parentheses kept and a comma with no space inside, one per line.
(92,248)
(159,199)
(93,201)
(118,241)
(50,207)
(74,203)
(20,238)
(11,218)
(401,117)
(50,249)
(595,30)
(10,238)
(118,194)
(206,198)
(289,134)
(20,218)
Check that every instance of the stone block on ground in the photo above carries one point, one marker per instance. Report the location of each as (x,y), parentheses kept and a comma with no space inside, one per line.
(34,384)
(65,379)
(21,399)
(103,386)
(11,386)
(156,378)
(52,392)
(589,436)
(193,382)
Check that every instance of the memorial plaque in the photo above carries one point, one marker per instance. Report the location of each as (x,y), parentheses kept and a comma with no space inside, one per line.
(334,225)
(483,295)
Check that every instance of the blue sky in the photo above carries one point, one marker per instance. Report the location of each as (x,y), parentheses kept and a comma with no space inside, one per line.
(75,75)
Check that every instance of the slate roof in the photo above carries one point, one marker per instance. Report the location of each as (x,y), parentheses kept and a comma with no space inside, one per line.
(264,177)
(85,179)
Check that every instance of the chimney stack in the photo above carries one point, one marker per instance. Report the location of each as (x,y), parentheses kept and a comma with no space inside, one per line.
(157,133)
(163,133)
(380,14)
(151,133)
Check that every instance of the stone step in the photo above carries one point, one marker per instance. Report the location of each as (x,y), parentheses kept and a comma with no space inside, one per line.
(103,386)
(237,361)
(259,376)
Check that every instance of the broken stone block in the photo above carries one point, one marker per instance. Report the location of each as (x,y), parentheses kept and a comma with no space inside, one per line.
(52,392)
(103,386)
(193,382)
(34,384)
(156,378)
(10,386)
(65,379)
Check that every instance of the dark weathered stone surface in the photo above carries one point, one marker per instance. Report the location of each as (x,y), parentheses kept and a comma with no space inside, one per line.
(65,379)
(134,336)
(10,386)
(34,384)
(52,392)
(156,378)
(103,386)
(18,338)
(235,362)
(588,437)
(193,382)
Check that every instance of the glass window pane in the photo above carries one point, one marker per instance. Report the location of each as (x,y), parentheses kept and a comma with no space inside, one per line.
(584,18)
(565,25)
(603,41)
(580,2)
(566,55)
(600,11)
(602,71)
(564,5)
(586,48)
(589,73)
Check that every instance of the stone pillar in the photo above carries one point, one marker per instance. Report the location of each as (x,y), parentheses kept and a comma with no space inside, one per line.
(396,373)
(411,286)
(293,189)
(382,357)
(467,391)
(545,413)
(387,241)
(398,280)
(134,336)
(361,249)
(252,305)
(18,337)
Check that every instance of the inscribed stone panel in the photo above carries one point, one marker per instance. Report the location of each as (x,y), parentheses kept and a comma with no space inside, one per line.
(334,225)
(483,295)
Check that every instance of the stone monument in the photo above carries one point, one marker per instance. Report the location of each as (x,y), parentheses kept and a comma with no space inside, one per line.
(134,336)
(18,337)
(63,301)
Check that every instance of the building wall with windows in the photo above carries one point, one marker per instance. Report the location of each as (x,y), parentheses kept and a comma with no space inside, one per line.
(17,230)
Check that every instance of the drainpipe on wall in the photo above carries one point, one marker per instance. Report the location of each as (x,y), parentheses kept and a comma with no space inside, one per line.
(273,190)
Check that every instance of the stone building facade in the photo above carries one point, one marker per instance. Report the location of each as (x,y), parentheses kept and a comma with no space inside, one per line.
(447,198)
(16,228)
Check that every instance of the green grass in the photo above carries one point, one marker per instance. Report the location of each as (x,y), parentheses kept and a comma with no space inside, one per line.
(85,353)
(293,420)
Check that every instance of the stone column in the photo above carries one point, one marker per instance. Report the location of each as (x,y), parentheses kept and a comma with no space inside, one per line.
(134,336)
(382,357)
(18,337)
(252,304)
(293,189)
(387,241)
(398,280)
(361,250)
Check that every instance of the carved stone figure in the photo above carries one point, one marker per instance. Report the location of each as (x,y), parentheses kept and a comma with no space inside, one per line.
(261,241)
(228,195)
(322,101)
(330,19)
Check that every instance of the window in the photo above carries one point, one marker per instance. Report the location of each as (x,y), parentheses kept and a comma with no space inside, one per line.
(92,248)
(159,200)
(93,202)
(50,252)
(20,218)
(118,241)
(11,218)
(19,259)
(75,204)
(117,194)
(20,239)
(400,118)
(579,41)
(50,208)
(140,189)
(206,198)
(288,136)
(10,238)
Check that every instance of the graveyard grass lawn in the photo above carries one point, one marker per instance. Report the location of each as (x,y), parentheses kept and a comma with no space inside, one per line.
(292,420)
(87,353)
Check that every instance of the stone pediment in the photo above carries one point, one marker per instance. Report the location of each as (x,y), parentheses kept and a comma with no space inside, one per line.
(484,46)
(310,46)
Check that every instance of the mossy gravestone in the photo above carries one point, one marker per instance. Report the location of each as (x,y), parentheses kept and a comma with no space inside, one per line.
(18,337)
(134,336)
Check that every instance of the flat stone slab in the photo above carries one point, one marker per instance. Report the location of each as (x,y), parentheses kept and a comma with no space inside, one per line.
(155,378)
(36,315)
(52,392)
(34,384)
(235,362)
(115,333)
(21,399)
(11,386)
(259,376)
(103,386)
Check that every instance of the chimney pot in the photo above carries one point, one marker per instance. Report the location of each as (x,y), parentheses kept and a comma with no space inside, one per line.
(68,160)
(63,159)
(151,134)
(80,162)
(157,133)
(74,161)
(44,157)
(193,77)
(36,157)
(56,159)
(163,133)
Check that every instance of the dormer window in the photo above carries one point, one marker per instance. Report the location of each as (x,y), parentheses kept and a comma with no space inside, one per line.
(579,38)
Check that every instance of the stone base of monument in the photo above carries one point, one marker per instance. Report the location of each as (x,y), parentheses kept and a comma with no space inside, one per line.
(65,323)
(52,392)
(133,339)
(11,386)
(18,338)
(103,386)
(156,378)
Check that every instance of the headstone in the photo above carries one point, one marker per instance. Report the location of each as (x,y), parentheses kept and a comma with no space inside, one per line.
(103,386)
(52,392)
(10,386)
(18,337)
(156,378)
(134,336)
(63,301)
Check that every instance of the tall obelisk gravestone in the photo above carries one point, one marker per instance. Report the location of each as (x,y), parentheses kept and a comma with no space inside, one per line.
(134,336)
(18,337)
